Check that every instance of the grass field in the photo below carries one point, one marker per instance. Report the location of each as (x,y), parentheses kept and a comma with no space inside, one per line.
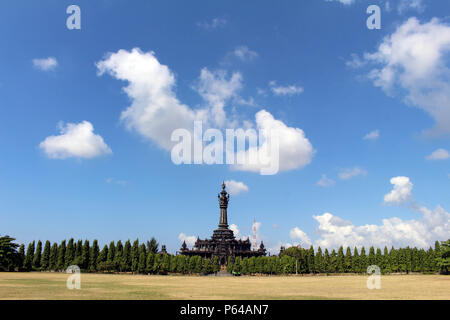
(37,285)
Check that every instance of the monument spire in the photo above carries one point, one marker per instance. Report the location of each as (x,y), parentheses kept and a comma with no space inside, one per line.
(224,197)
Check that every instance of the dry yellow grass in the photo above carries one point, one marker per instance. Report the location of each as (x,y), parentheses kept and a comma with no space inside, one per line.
(37,285)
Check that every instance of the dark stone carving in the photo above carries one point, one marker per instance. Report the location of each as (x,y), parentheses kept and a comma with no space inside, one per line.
(223,244)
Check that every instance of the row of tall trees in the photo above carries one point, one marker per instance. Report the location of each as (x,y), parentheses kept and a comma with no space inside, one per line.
(144,258)
(300,260)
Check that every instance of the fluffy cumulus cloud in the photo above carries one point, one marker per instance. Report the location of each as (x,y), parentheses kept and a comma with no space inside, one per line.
(236,187)
(45,64)
(216,90)
(432,225)
(439,154)
(301,236)
(155,111)
(413,62)
(190,240)
(294,149)
(401,193)
(75,140)
(373,135)
(349,173)
(289,90)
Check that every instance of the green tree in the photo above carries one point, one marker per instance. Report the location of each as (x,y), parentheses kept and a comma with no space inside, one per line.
(28,263)
(118,257)
(9,257)
(70,253)
(165,264)
(363,261)
(134,255)
(386,261)
(126,256)
(371,259)
(230,264)
(102,256)
(85,255)
(340,263)
(310,260)
(61,262)
(95,251)
(356,268)
(437,253)
(326,261)
(348,263)
(78,248)
(111,252)
(216,264)
(333,261)
(393,260)
(443,259)
(318,260)
(379,259)
(150,262)
(37,256)
(53,259)
(142,259)
(157,263)
(152,245)
(251,265)
(244,265)
(21,257)
(45,259)
(237,265)
(207,266)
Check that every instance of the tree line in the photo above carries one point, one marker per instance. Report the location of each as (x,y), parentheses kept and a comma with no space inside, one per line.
(144,258)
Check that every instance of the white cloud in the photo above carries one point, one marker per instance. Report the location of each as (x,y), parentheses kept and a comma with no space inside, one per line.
(373,135)
(325,181)
(346,2)
(297,233)
(244,53)
(155,111)
(401,192)
(216,90)
(45,64)
(349,173)
(289,90)
(414,62)
(434,225)
(439,154)
(190,240)
(236,187)
(214,23)
(75,140)
(295,150)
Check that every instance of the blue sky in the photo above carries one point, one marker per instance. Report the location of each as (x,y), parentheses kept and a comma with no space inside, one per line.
(313,65)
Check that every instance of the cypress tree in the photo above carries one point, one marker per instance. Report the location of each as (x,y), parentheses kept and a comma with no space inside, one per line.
(61,262)
(150,262)
(244,266)
(237,264)
(134,255)
(157,263)
(207,266)
(379,259)
(326,261)
(333,261)
(142,259)
(356,268)
(37,256)
(45,259)
(103,255)
(165,261)
(310,260)
(118,257)
(85,255)
(78,248)
(95,251)
(198,264)
(386,261)
(318,260)
(393,259)
(70,253)
(372,259)
(348,264)
(229,264)
(152,245)
(21,257)
(173,264)
(363,261)
(111,252)
(251,265)
(126,256)
(340,263)
(53,259)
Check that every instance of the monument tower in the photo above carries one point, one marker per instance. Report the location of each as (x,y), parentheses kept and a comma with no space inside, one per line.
(223,243)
